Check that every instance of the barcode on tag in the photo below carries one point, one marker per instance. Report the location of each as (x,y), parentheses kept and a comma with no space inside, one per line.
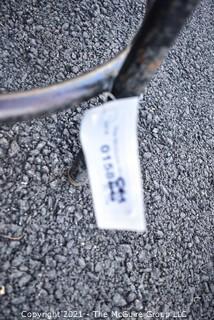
(109,139)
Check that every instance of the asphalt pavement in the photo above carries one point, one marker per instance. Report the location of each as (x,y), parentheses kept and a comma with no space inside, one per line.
(61,261)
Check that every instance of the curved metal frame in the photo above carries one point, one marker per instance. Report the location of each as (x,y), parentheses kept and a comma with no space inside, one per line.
(57,96)
(151,35)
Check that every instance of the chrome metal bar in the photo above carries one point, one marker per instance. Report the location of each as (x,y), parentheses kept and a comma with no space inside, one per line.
(57,96)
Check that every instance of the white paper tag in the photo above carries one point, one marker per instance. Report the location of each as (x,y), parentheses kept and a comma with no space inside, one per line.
(109,139)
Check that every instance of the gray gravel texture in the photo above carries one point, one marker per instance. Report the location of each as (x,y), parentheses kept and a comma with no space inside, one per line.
(44,42)
(64,262)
